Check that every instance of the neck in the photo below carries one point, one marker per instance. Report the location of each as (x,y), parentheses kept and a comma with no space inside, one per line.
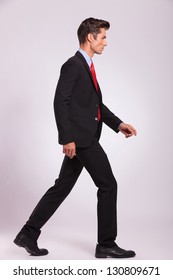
(87,49)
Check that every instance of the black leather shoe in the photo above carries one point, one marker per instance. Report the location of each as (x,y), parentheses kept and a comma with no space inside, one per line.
(30,245)
(113,252)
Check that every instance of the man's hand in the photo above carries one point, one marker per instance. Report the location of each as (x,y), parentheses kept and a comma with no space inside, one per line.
(69,149)
(127,129)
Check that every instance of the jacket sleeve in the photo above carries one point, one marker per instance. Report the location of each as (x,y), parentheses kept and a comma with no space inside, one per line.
(68,77)
(110,119)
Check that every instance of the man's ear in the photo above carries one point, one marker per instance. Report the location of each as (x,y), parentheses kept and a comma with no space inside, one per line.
(90,37)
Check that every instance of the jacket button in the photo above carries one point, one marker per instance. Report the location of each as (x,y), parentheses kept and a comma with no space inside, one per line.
(96,119)
(97,105)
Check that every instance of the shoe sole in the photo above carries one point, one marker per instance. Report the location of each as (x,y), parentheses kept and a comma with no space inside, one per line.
(104,256)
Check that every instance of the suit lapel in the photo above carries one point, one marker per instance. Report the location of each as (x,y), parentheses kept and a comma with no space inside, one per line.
(82,59)
(83,62)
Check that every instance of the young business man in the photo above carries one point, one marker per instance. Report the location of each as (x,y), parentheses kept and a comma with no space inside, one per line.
(80,112)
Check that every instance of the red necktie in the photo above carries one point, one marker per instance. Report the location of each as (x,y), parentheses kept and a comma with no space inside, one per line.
(96,85)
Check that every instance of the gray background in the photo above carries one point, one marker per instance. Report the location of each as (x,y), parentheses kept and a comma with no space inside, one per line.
(135,74)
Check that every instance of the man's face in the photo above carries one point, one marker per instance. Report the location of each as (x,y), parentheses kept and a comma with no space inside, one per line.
(98,43)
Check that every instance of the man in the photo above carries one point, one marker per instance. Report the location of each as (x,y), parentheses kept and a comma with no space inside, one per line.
(79,113)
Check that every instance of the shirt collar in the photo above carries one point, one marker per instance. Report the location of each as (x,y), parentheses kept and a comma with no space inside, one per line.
(86,56)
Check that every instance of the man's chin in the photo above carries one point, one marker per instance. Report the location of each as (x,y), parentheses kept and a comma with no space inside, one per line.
(100,52)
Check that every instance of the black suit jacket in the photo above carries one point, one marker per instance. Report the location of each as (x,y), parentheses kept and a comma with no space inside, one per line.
(76,104)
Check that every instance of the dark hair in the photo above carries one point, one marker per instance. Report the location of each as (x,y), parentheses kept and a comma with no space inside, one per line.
(91,25)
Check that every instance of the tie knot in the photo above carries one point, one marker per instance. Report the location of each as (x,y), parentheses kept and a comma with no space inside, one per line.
(92,66)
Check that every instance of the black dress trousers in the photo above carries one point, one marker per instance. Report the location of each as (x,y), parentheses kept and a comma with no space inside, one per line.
(95,160)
